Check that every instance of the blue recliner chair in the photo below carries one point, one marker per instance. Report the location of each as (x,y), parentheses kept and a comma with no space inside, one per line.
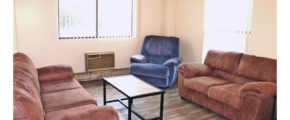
(158,61)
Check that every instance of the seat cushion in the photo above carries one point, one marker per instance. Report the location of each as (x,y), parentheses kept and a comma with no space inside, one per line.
(228,94)
(85,112)
(149,69)
(66,99)
(47,87)
(202,84)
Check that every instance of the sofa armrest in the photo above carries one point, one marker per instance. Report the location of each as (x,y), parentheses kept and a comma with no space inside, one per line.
(138,59)
(55,73)
(106,113)
(258,89)
(194,69)
(171,62)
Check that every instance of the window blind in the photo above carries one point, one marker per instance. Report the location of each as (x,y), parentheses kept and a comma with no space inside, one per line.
(95,19)
(77,18)
(226,25)
(115,18)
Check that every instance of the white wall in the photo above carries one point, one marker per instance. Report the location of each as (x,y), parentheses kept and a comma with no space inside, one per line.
(263,39)
(189,28)
(36,28)
(15,46)
(169,17)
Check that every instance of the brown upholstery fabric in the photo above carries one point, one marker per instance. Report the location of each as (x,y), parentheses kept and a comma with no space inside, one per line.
(259,68)
(230,76)
(23,69)
(202,84)
(47,87)
(55,73)
(236,85)
(26,92)
(228,94)
(231,112)
(254,108)
(194,69)
(61,95)
(227,61)
(68,98)
(86,112)
(259,89)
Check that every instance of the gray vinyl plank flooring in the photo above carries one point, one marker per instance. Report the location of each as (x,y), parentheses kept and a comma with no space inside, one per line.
(174,107)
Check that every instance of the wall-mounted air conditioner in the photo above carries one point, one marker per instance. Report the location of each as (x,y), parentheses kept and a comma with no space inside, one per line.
(99,61)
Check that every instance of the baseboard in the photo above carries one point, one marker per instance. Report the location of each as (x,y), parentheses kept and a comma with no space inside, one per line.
(98,75)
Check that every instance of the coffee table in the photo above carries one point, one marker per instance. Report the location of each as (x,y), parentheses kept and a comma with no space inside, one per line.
(132,87)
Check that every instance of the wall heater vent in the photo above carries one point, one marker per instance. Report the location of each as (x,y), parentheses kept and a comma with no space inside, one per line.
(99,61)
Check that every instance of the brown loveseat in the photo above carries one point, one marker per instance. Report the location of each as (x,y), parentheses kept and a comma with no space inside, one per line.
(52,93)
(236,85)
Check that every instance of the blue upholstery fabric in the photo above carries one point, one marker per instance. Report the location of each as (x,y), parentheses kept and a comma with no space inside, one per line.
(158,61)
(152,70)
(138,59)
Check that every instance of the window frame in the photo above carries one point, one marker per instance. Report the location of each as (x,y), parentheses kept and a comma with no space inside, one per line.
(133,25)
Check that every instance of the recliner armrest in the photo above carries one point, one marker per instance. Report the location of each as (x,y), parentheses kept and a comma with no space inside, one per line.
(138,59)
(55,73)
(258,89)
(194,69)
(172,61)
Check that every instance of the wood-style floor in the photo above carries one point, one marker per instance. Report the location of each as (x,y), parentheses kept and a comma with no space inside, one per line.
(174,107)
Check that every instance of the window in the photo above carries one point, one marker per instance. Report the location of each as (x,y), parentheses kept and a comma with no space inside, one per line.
(95,19)
(226,25)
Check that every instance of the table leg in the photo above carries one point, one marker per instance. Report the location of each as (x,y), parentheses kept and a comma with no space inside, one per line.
(104,91)
(161,106)
(129,108)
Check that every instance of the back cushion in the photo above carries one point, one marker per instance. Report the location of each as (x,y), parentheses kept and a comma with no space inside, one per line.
(231,77)
(259,68)
(26,90)
(227,61)
(158,49)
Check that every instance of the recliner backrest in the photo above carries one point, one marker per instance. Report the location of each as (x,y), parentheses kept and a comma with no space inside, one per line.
(158,49)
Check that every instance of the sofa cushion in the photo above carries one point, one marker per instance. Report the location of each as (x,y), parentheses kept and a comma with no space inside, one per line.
(231,77)
(149,69)
(85,112)
(66,99)
(258,68)
(202,84)
(227,94)
(55,73)
(47,87)
(227,61)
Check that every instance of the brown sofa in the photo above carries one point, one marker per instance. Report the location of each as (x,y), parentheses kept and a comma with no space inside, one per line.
(235,85)
(52,93)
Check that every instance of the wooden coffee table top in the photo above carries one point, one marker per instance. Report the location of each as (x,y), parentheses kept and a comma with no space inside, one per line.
(131,85)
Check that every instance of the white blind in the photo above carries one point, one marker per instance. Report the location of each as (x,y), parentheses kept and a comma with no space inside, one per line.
(77,18)
(95,18)
(115,18)
(226,25)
